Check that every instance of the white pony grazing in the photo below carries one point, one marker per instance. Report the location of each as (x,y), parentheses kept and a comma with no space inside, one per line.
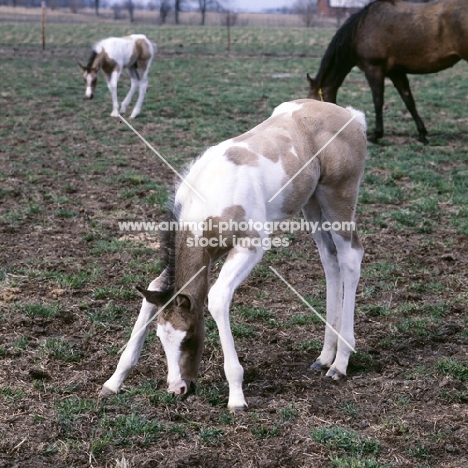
(112,55)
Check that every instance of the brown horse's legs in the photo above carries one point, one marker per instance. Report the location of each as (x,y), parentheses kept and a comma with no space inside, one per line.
(401,83)
(375,78)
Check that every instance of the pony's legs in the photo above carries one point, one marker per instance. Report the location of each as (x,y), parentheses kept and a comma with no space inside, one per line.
(237,267)
(141,95)
(341,254)
(130,356)
(349,254)
(327,251)
(375,78)
(134,85)
(112,81)
(142,70)
(401,83)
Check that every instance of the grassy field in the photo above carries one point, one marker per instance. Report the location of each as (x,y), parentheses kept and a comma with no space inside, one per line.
(69,173)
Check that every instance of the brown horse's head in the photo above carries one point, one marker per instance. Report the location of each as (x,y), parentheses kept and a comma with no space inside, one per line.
(90,78)
(321,93)
(181,330)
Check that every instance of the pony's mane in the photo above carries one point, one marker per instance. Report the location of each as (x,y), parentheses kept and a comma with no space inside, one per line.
(168,237)
(167,247)
(91,59)
(340,53)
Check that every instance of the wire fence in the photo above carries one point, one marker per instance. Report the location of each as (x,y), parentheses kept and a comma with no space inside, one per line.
(119,14)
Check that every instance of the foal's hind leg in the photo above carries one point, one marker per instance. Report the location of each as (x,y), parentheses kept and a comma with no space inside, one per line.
(341,254)
(401,83)
(143,85)
(134,85)
(327,252)
(349,254)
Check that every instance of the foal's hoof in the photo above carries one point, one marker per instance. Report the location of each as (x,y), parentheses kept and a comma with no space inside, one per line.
(114,114)
(316,366)
(106,392)
(335,374)
(190,391)
(238,409)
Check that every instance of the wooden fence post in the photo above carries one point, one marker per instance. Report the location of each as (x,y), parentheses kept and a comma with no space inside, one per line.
(43,6)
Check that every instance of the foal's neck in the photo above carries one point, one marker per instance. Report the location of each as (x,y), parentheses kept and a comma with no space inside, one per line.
(192,266)
(96,62)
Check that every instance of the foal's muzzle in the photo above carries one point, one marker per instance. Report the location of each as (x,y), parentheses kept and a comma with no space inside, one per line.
(183,388)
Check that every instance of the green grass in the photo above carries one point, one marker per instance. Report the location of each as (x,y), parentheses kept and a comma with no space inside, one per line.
(62,350)
(39,309)
(452,368)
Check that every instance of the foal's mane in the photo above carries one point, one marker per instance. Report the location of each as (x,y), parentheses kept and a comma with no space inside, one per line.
(91,58)
(340,55)
(167,246)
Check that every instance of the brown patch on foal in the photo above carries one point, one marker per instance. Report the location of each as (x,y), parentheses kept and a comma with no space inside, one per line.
(241,156)
(108,65)
(141,54)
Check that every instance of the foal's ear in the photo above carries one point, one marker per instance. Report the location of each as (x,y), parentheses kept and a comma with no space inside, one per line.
(82,66)
(310,81)
(183,301)
(154,297)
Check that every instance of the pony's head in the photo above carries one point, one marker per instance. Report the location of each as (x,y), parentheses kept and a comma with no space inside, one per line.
(320,93)
(181,330)
(90,78)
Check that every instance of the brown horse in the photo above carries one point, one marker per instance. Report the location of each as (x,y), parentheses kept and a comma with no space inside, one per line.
(392,38)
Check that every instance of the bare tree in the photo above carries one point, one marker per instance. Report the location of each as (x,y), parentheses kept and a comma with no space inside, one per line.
(164,8)
(131,9)
(307,9)
(177,10)
(207,5)
(96,7)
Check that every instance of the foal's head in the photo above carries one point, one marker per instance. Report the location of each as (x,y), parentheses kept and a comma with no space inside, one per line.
(90,78)
(181,330)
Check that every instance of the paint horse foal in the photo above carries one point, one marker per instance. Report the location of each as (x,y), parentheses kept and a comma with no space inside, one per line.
(237,178)
(112,55)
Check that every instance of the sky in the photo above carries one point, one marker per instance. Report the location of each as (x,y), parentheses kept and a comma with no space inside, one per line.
(257,5)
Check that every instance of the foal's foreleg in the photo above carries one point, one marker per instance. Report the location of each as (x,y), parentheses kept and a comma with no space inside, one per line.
(237,267)
(112,81)
(131,354)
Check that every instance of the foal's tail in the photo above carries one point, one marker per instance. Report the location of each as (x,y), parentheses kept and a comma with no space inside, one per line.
(359,116)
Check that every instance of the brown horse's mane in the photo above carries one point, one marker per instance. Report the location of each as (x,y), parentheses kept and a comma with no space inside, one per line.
(340,55)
